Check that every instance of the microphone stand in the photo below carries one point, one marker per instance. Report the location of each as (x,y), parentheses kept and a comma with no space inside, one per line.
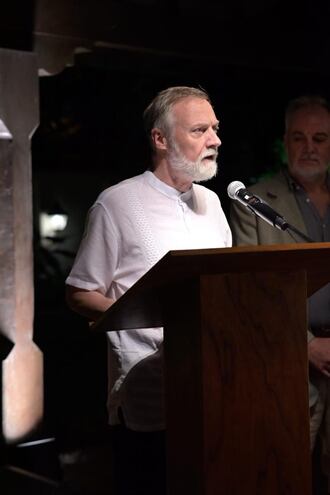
(290,229)
(263,210)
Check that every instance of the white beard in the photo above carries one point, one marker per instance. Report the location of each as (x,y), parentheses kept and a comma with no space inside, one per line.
(198,170)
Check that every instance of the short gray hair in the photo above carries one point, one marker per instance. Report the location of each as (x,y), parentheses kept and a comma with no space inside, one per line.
(157,112)
(306,101)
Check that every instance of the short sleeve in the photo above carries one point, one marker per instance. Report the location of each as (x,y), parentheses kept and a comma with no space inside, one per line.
(96,259)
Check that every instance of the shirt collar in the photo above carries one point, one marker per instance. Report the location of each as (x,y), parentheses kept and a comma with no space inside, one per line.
(165,189)
(293,185)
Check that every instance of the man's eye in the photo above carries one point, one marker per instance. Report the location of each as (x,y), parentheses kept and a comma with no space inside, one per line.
(319,139)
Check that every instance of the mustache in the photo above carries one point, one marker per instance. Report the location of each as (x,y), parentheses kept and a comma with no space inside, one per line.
(212,154)
(309,156)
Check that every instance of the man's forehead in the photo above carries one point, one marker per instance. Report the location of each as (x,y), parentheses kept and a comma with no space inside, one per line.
(315,119)
(192,108)
(310,113)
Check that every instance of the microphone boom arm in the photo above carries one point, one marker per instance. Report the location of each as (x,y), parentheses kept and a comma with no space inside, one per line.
(275,219)
(237,191)
(267,213)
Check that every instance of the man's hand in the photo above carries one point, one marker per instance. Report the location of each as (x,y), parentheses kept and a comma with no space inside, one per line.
(319,354)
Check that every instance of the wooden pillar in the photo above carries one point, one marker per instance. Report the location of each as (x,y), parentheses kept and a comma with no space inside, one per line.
(22,386)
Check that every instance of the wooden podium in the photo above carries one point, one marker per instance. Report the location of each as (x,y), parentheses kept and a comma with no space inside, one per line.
(236,367)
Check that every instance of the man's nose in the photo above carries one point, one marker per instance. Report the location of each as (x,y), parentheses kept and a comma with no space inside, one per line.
(309,145)
(213,139)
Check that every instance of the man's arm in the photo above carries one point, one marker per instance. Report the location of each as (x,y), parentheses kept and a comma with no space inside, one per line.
(88,303)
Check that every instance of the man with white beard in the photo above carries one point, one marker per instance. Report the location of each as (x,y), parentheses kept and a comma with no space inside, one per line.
(130,227)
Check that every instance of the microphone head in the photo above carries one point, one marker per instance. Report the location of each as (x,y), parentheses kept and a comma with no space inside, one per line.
(234,187)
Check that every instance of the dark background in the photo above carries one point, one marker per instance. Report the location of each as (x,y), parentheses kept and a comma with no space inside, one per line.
(251,57)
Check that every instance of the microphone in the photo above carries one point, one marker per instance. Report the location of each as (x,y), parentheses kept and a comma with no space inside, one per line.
(236,190)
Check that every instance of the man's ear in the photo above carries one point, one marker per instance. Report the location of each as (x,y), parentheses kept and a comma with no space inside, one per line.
(159,139)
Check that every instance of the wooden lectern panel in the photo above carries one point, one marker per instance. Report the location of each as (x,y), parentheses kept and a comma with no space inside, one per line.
(237,402)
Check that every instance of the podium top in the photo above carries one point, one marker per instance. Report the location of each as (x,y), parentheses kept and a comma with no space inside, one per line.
(141,302)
